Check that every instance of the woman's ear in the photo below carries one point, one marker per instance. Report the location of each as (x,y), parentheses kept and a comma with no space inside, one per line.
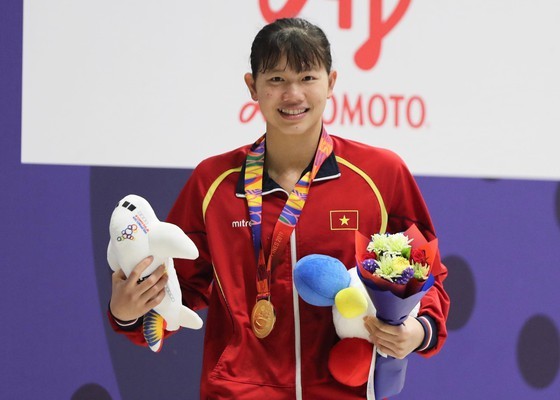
(250,82)
(332,81)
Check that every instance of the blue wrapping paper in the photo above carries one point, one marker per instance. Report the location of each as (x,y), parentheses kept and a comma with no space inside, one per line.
(390,373)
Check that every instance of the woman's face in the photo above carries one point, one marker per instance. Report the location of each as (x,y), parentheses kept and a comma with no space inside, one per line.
(292,102)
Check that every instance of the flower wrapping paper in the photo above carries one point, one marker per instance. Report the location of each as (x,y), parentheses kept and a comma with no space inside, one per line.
(393,303)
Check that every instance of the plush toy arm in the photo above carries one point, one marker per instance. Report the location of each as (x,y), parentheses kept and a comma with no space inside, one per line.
(169,239)
(112,257)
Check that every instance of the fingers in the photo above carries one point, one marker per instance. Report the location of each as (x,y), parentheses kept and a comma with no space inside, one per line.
(139,269)
(154,278)
(118,275)
(389,350)
(379,328)
(153,287)
(155,301)
(389,339)
(130,299)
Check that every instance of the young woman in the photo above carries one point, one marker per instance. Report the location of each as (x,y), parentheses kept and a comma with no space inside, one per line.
(254,211)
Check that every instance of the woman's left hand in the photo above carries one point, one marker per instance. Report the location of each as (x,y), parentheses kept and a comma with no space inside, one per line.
(395,341)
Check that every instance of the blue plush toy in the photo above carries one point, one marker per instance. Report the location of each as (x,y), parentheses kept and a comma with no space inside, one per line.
(324,281)
(319,278)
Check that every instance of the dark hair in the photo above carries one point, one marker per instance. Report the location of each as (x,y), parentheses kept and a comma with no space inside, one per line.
(304,45)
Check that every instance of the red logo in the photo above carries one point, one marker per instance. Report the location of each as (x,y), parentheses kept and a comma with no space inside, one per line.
(368,53)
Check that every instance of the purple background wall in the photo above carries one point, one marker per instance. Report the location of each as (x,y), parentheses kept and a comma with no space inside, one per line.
(499,239)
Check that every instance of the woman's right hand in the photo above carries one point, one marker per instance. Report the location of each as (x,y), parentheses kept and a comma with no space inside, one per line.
(131,299)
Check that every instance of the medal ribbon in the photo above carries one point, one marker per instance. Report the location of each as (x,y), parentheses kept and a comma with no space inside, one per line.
(254,168)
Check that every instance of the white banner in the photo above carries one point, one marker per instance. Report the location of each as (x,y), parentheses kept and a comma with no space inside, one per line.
(462,88)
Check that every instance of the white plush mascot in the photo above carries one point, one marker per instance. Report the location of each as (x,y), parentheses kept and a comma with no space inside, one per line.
(137,233)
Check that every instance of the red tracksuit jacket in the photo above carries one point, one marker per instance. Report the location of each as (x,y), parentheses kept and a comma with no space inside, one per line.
(370,188)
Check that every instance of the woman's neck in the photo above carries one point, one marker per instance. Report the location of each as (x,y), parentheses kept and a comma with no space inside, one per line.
(287,156)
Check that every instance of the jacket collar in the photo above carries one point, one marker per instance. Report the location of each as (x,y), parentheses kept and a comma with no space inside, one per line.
(328,170)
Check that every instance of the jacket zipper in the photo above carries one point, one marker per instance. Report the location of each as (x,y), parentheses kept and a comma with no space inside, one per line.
(297,331)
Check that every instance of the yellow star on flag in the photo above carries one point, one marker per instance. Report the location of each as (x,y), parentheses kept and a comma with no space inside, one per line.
(344,220)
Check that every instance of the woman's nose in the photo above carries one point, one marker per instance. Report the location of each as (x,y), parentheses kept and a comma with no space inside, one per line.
(293,91)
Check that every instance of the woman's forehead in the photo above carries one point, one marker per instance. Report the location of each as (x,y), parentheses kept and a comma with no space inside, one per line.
(283,65)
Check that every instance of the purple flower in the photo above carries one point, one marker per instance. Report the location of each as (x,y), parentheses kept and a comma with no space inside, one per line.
(370,265)
(405,277)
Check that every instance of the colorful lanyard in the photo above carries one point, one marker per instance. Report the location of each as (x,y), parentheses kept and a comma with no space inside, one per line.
(254,167)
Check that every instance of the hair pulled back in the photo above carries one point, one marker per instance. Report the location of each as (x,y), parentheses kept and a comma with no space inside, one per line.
(304,45)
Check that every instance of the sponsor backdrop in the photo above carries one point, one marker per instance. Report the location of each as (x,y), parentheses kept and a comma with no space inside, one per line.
(101,99)
(458,88)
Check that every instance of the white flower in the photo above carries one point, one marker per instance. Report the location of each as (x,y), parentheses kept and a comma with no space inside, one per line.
(393,244)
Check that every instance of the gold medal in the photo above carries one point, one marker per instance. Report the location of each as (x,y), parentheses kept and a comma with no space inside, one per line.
(263,318)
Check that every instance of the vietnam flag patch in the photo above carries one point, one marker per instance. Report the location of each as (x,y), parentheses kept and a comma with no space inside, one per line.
(344,220)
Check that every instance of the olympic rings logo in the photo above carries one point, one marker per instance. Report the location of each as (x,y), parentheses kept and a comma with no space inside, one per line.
(127,233)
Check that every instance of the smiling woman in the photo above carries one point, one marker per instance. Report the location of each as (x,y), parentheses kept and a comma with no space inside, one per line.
(281,194)
(292,104)
(291,79)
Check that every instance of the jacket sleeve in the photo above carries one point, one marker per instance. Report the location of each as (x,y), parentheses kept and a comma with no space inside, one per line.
(195,276)
(133,330)
(406,206)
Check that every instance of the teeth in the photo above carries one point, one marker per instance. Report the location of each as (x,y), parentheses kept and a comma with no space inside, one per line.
(293,112)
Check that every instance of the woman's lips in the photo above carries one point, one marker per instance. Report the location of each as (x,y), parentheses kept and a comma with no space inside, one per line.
(293,112)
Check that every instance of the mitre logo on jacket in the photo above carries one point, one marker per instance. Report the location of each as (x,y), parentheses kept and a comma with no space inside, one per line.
(242,223)
(344,220)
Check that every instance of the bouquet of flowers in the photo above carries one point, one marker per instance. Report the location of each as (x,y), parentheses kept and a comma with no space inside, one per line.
(397,262)
(395,270)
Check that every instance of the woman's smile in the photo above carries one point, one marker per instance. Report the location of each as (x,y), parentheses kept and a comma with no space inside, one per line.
(293,113)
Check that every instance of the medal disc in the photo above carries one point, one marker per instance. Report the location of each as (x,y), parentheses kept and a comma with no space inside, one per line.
(263,318)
